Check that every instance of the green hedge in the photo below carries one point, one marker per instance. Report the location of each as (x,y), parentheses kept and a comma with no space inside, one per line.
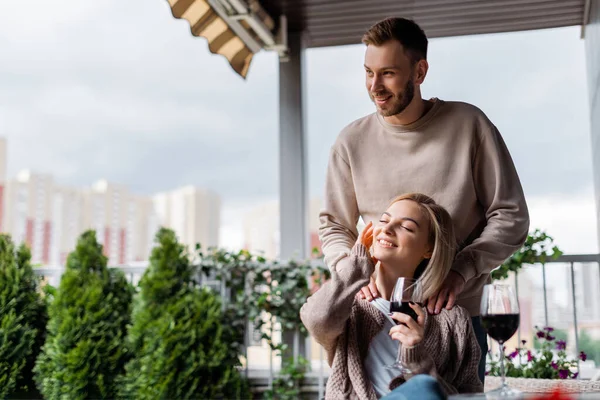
(84,352)
(23,318)
(177,339)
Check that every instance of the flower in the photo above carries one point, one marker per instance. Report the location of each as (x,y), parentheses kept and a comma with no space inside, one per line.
(549,361)
(563,373)
(575,375)
(523,342)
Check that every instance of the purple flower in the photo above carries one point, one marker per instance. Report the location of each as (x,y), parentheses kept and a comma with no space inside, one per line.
(582,356)
(563,373)
(561,345)
(550,337)
(575,375)
(540,334)
(487,373)
(529,355)
(548,329)
(523,341)
(514,354)
(554,365)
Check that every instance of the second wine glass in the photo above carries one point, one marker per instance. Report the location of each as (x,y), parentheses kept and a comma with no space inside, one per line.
(500,318)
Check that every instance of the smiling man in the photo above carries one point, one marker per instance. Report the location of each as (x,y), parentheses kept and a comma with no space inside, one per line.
(447,150)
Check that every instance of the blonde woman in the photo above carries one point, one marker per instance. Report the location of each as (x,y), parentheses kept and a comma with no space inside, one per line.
(414,238)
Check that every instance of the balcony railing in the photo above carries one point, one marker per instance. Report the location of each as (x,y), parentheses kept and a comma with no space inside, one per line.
(262,375)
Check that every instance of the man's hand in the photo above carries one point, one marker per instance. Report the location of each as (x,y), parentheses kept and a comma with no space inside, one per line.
(409,332)
(369,292)
(452,287)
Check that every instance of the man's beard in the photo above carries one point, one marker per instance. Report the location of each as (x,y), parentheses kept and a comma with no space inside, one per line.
(399,101)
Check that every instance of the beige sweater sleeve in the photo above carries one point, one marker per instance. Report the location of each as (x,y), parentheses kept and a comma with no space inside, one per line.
(325,313)
(501,196)
(340,211)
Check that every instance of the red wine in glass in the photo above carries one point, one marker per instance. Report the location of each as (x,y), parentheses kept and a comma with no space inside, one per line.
(403,307)
(500,327)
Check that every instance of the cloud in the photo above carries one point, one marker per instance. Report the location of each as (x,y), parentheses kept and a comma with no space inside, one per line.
(100,94)
(123,91)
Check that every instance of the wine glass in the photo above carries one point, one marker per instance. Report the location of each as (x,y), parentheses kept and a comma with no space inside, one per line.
(500,318)
(405,291)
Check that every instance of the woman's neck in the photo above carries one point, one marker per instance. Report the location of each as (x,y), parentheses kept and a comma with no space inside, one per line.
(386,280)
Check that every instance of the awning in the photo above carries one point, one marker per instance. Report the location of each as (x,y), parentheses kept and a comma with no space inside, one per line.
(239,28)
(233,29)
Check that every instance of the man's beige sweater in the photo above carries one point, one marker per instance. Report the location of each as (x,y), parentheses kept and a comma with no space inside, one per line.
(345,327)
(453,154)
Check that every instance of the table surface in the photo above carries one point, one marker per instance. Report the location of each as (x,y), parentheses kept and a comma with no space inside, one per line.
(526,396)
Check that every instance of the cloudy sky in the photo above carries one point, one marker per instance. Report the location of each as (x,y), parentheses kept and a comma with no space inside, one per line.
(121,90)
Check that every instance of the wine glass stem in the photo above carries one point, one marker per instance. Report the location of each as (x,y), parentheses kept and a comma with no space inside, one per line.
(502,373)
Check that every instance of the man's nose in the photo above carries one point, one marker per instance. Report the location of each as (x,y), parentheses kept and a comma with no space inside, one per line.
(376,84)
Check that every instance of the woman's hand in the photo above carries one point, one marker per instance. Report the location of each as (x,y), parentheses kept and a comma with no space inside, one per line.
(409,332)
(366,236)
(366,239)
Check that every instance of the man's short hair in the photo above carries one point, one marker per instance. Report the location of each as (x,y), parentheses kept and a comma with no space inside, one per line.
(406,31)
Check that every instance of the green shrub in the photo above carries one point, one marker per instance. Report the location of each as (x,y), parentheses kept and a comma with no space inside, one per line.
(177,338)
(84,351)
(23,318)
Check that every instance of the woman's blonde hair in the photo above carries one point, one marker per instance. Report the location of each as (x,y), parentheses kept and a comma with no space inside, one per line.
(432,272)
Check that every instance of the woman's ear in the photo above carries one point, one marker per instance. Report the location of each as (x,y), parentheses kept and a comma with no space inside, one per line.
(428,254)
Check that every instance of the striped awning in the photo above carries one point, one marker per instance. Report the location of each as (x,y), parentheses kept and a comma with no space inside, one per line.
(232,38)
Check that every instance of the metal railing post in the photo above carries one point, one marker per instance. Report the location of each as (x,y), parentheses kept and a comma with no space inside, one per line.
(321,374)
(575,315)
(545,295)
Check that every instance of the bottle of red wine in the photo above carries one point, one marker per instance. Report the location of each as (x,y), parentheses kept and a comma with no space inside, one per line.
(500,327)
(403,307)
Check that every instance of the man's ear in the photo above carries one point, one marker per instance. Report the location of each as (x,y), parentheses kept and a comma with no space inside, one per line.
(421,71)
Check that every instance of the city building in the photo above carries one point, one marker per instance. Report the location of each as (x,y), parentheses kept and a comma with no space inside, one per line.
(28,212)
(261,228)
(193,213)
(68,215)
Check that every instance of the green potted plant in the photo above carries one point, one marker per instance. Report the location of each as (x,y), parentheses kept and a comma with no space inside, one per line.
(538,248)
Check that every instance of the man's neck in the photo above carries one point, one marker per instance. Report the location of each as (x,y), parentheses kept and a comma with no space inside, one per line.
(415,111)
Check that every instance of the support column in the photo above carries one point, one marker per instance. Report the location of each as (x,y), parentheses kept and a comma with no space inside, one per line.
(293,196)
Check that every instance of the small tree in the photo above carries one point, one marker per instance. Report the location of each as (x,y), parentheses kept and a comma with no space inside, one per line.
(84,350)
(23,318)
(177,338)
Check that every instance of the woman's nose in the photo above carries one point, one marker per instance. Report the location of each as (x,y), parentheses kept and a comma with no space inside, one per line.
(387,229)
